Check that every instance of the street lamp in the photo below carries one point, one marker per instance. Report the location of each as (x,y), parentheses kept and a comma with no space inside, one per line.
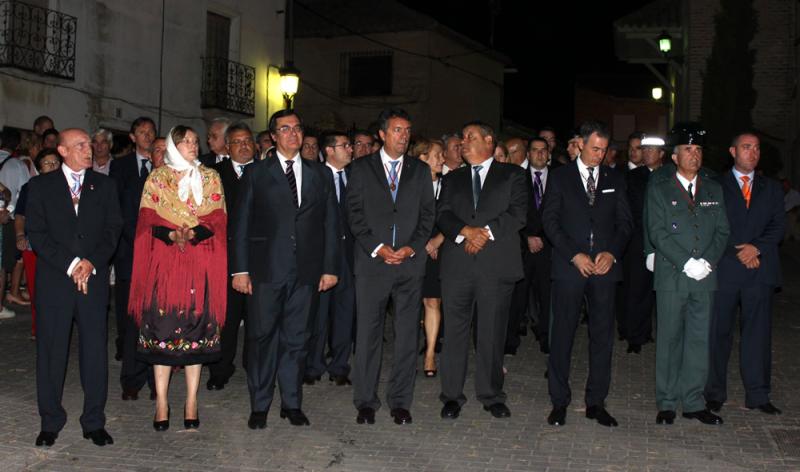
(664,43)
(657,93)
(290,80)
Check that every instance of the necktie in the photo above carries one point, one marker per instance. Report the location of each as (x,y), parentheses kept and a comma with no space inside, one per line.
(476,185)
(691,192)
(393,178)
(537,188)
(240,170)
(143,172)
(76,185)
(342,189)
(590,186)
(292,181)
(746,190)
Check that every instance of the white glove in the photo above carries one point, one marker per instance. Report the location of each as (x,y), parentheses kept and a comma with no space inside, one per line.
(650,261)
(696,269)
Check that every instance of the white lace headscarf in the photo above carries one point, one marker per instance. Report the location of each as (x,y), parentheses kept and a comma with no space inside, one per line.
(192,181)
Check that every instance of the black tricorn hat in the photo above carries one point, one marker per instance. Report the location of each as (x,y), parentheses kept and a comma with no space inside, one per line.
(687,133)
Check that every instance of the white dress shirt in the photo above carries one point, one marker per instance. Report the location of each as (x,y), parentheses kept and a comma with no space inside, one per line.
(739,176)
(631,165)
(685,182)
(385,160)
(297,167)
(336,180)
(70,181)
(584,171)
(542,177)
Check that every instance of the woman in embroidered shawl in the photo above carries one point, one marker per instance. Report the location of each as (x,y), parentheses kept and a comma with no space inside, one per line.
(178,287)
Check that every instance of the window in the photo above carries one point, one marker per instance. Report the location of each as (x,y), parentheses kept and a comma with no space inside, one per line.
(366,74)
(218,35)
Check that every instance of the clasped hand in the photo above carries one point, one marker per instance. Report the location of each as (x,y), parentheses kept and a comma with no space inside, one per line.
(393,257)
(475,239)
(599,266)
(181,236)
(748,255)
(80,275)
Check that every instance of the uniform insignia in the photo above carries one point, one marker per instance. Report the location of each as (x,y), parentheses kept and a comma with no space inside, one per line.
(674,203)
(674,225)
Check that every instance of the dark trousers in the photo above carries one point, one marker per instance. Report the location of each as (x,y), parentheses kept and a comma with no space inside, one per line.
(134,372)
(491,298)
(518,313)
(278,323)
(372,298)
(567,298)
(538,267)
(639,302)
(54,331)
(334,326)
(755,348)
(235,312)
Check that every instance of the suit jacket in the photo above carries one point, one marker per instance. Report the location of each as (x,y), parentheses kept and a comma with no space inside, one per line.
(761,225)
(208,159)
(230,185)
(680,230)
(502,206)
(271,236)
(344,235)
(372,214)
(58,235)
(569,220)
(125,172)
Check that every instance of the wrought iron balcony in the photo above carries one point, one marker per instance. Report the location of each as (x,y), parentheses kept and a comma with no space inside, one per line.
(228,85)
(37,39)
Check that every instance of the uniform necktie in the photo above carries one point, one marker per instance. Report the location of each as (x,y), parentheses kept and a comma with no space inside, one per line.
(537,188)
(144,172)
(393,178)
(476,185)
(691,192)
(341,185)
(746,190)
(590,186)
(292,181)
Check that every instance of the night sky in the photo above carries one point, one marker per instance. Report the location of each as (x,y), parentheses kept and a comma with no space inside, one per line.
(553,45)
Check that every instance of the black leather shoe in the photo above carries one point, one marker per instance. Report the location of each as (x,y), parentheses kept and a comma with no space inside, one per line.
(451,410)
(191,423)
(498,410)
(713,405)
(600,414)
(161,425)
(704,416)
(340,380)
(118,356)
(634,348)
(544,346)
(558,416)
(214,384)
(365,415)
(257,420)
(665,417)
(46,438)
(510,351)
(311,379)
(401,416)
(295,416)
(130,394)
(768,408)
(99,437)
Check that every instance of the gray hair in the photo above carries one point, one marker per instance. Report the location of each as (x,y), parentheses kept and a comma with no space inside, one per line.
(105,134)
(225,122)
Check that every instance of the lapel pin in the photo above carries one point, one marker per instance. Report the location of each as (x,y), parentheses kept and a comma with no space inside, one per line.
(674,203)
(674,225)
(91,186)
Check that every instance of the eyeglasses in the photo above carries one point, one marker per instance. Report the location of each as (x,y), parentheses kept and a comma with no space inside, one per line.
(48,164)
(242,142)
(285,129)
(345,145)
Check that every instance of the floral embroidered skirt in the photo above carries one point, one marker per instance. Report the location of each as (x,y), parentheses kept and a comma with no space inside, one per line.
(178,338)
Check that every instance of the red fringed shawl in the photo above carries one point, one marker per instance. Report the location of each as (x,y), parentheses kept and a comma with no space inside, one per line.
(165,277)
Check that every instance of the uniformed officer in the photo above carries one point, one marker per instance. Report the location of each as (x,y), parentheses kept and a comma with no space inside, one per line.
(688,228)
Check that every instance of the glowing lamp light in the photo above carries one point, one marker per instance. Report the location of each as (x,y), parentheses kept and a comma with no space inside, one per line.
(664,43)
(657,93)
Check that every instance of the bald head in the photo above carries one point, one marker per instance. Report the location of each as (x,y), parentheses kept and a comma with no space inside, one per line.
(75,147)
(517,150)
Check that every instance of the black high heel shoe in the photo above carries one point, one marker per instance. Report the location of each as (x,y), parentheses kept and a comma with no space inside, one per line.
(162,425)
(191,424)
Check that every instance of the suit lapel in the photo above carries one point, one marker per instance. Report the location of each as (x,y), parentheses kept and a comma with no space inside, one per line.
(275,170)
(307,184)
(491,175)
(63,185)
(377,166)
(405,178)
(577,182)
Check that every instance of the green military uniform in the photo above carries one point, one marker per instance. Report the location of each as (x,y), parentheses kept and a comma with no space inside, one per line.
(679,228)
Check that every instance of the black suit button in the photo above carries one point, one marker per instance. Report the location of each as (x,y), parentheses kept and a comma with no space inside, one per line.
(80,236)
(473,216)
(292,237)
(395,210)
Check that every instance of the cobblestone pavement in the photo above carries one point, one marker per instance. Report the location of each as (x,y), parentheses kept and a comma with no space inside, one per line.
(748,440)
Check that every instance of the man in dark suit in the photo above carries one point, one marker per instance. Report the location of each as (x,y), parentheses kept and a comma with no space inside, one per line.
(215,138)
(587,219)
(130,172)
(284,253)
(482,208)
(73,222)
(748,273)
(336,313)
(637,284)
(390,209)
(241,148)
(537,256)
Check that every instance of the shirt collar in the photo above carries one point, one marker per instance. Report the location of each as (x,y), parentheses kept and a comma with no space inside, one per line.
(241,163)
(68,171)
(631,165)
(385,159)
(141,157)
(739,175)
(685,182)
(583,168)
(484,165)
(332,168)
(525,164)
(283,158)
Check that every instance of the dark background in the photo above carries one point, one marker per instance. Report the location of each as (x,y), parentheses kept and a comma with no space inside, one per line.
(554,45)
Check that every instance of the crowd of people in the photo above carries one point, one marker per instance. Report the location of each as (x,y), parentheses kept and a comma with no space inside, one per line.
(313,240)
